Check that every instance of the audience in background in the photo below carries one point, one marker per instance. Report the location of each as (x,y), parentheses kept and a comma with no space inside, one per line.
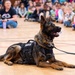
(56,11)
(18,1)
(73,23)
(61,12)
(22,11)
(25,3)
(8,15)
(1,7)
(0,1)
(68,16)
(52,13)
(16,7)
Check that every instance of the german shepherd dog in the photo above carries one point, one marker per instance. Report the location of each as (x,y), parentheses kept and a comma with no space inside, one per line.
(39,51)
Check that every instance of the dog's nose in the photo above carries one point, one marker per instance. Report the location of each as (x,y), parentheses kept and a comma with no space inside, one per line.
(59,28)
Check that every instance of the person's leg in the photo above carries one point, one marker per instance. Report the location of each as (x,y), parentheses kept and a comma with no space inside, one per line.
(11,24)
(67,23)
(1,24)
(73,26)
(56,18)
(19,15)
(30,16)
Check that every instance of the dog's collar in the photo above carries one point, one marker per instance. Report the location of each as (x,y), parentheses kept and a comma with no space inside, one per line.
(45,46)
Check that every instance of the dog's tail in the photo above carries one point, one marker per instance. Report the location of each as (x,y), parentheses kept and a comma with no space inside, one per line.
(2,57)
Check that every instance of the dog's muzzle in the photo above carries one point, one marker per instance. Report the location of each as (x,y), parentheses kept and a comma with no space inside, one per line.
(56,31)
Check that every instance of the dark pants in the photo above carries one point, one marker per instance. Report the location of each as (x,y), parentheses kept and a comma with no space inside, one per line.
(21,16)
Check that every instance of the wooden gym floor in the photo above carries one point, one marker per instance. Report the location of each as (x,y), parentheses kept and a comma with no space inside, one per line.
(26,31)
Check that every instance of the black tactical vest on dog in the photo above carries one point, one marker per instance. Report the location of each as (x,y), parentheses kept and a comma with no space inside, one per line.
(26,52)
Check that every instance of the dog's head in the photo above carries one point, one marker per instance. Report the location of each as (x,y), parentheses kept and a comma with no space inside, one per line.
(48,28)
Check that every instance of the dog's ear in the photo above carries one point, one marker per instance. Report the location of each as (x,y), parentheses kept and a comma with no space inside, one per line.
(42,19)
(42,22)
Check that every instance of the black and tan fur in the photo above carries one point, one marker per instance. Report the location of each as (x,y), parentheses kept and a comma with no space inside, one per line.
(12,54)
(44,40)
(42,52)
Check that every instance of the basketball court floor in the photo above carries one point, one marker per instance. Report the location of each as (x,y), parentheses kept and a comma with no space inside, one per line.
(26,31)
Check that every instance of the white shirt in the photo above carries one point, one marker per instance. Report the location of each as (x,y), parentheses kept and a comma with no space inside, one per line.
(60,14)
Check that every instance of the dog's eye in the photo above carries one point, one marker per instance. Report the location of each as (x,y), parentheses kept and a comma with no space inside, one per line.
(48,24)
(53,25)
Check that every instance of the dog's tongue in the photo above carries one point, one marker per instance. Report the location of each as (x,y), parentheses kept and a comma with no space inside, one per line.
(59,33)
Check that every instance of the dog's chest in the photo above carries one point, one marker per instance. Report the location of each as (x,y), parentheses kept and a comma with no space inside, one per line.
(44,41)
(48,53)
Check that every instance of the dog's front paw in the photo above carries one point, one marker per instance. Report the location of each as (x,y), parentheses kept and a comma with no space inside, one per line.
(56,66)
(9,63)
(60,69)
(71,66)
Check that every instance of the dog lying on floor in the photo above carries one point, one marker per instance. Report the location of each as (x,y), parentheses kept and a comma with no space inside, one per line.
(37,51)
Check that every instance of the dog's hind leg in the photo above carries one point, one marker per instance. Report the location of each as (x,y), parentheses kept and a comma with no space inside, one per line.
(2,57)
(11,54)
(64,64)
(18,61)
(7,59)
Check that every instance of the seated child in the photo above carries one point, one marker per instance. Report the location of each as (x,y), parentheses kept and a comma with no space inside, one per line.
(22,11)
(68,16)
(60,13)
(52,13)
(56,14)
(30,11)
(33,13)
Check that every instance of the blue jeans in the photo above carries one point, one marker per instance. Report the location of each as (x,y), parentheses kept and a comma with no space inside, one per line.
(67,23)
(56,18)
(11,23)
(0,2)
(53,1)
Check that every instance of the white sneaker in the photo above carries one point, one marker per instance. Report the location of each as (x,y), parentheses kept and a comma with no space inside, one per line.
(9,26)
